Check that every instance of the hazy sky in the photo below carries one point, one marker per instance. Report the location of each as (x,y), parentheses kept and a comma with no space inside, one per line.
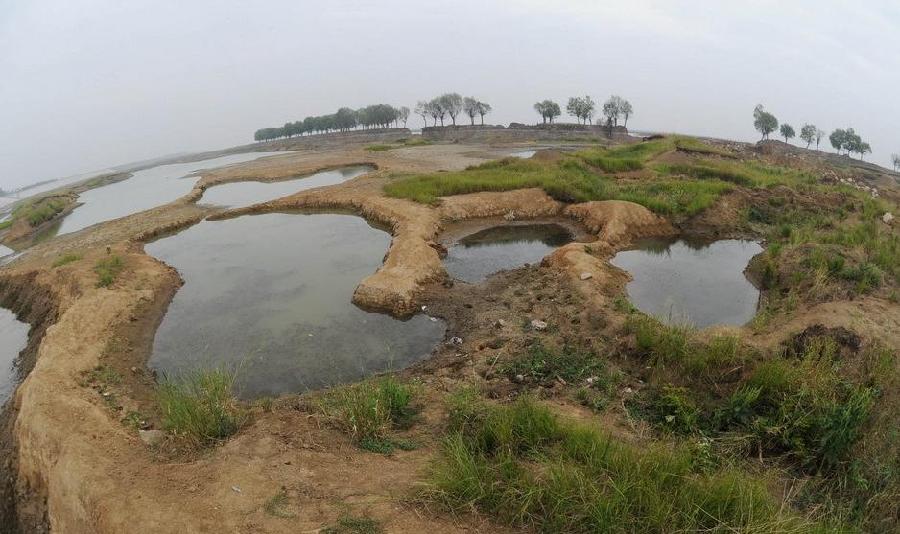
(86,84)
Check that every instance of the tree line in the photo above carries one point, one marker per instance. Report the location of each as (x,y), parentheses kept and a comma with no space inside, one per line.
(583,108)
(344,119)
(451,105)
(841,139)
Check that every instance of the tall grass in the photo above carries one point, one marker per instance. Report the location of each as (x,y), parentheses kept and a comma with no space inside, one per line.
(368,411)
(528,468)
(201,406)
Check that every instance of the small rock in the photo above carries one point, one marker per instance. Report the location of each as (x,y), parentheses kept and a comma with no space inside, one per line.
(510,216)
(433,319)
(456,340)
(539,325)
(519,378)
(151,438)
(586,276)
(134,369)
(424,308)
(236,489)
(887,218)
(628,390)
(500,323)
(591,379)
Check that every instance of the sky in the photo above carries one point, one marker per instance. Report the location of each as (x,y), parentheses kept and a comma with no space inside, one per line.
(88,84)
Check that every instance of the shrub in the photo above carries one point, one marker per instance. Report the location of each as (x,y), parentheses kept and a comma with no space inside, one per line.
(201,406)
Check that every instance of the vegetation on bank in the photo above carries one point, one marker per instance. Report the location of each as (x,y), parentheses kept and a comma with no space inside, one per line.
(530,468)
(108,270)
(37,211)
(201,407)
(370,411)
(668,189)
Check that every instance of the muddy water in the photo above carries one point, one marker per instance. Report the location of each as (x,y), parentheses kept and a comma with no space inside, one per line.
(144,190)
(476,256)
(13,337)
(239,194)
(6,251)
(272,293)
(702,283)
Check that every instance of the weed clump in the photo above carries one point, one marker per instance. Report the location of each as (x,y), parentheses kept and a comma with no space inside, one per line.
(66,259)
(201,406)
(108,269)
(370,410)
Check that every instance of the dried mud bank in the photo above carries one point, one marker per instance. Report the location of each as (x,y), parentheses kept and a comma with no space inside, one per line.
(413,259)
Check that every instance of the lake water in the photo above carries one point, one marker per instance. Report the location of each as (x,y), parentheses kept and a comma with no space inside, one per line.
(13,338)
(272,294)
(240,194)
(476,256)
(146,189)
(702,283)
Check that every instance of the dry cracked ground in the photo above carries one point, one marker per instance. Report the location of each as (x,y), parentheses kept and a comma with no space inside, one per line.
(550,405)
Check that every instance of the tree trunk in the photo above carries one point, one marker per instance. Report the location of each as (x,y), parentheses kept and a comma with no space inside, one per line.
(472,118)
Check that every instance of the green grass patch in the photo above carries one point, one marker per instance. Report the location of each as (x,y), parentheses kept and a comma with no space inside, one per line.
(370,410)
(380,148)
(39,210)
(108,270)
(6,224)
(66,259)
(277,506)
(528,468)
(351,524)
(544,364)
(695,146)
(201,406)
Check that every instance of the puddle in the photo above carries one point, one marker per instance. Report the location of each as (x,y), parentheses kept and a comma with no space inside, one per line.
(240,194)
(476,256)
(6,251)
(524,154)
(144,190)
(13,338)
(698,282)
(272,293)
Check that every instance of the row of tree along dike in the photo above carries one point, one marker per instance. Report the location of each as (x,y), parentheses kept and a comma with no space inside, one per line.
(441,109)
(841,139)
(343,120)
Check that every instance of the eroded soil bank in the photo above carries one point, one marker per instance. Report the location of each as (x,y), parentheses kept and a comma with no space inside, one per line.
(77,461)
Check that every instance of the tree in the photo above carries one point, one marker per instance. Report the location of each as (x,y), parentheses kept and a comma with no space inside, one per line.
(403,114)
(422,111)
(548,110)
(819,135)
(895,160)
(837,139)
(483,109)
(764,122)
(612,108)
(345,119)
(627,111)
(787,131)
(436,110)
(808,134)
(470,107)
(452,104)
(581,107)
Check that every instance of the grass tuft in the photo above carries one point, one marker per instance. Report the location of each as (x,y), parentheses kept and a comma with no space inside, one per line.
(66,259)
(201,406)
(107,270)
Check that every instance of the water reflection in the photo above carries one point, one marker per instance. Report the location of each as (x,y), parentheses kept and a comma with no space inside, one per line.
(240,194)
(483,253)
(683,280)
(272,293)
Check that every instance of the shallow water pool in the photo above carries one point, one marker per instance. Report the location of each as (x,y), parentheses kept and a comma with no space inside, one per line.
(701,283)
(145,189)
(13,338)
(272,294)
(240,194)
(478,255)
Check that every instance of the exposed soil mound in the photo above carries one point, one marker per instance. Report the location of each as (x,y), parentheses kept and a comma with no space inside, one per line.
(846,339)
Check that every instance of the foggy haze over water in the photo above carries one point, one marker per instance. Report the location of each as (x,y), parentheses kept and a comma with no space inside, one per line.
(88,84)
